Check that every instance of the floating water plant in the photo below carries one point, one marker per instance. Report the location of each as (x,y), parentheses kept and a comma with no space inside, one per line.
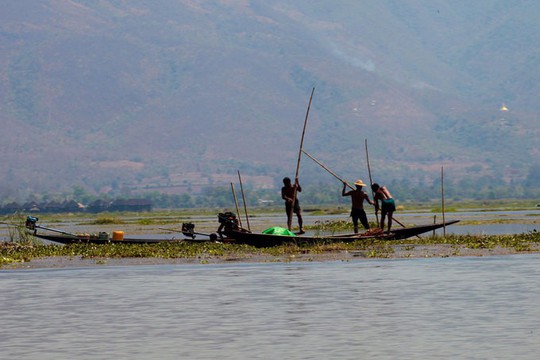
(23,250)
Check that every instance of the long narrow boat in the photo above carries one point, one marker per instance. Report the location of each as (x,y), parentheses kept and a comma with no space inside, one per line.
(96,239)
(269,240)
(232,235)
(63,237)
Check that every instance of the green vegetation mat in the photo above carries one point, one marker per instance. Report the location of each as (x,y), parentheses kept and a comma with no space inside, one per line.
(11,252)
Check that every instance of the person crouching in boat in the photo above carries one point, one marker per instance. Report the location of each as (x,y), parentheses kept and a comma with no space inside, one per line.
(357,198)
(388,206)
(227,222)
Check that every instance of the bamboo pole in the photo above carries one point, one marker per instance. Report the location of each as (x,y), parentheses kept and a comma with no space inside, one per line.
(373,194)
(327,169)
(370,178)
(244,200)
(300,153)
(236,203)
(442,199)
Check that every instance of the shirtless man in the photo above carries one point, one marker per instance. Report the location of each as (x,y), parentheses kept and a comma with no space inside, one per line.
(357,198)
(388,205)
(287,194)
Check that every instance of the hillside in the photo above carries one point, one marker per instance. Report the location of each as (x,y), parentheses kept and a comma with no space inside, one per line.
(116,95)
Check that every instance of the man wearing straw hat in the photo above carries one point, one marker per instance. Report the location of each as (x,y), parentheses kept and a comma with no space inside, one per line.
(357,198)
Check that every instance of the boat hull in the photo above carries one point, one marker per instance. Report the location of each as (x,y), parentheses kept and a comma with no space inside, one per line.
(67,239)
(255,239)
(269,240)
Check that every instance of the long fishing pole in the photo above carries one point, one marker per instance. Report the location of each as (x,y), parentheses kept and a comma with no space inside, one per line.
(370,178)
(244,200)
(327,169)
(300,153)
(442,199)
(372,192)
(236,203)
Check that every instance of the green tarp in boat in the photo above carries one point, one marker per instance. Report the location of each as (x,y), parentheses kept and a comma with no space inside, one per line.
(276,230)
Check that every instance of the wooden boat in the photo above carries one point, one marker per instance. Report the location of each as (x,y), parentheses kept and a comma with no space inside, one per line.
(96,239)
(233,234)
(269,240)
(63,237)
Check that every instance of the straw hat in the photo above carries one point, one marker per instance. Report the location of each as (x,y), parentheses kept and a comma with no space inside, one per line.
(359,183)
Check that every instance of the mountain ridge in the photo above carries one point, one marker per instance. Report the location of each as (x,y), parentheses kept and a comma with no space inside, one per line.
(215,87)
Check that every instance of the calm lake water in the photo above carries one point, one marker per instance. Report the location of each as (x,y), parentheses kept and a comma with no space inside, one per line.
(442,308)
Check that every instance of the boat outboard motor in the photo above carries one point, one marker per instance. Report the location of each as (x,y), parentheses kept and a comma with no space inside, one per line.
(188,230)
(31,222)
(228,220)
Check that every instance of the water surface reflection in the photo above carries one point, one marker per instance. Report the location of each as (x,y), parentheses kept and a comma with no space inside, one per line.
(474,308)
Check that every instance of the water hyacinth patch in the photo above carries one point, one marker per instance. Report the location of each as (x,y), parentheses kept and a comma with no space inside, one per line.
(21,252)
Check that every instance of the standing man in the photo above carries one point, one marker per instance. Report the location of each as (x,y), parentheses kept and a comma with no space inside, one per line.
(388,206)
(287,194)
(357,198)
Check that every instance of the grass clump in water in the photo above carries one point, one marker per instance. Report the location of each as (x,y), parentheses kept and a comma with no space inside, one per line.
(327,227)
(107,221)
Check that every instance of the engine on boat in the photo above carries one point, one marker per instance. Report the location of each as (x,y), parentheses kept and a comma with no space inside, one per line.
(31,222)
(188,230)
(228,220)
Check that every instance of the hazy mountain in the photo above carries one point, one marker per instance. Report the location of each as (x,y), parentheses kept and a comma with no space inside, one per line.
(151,94)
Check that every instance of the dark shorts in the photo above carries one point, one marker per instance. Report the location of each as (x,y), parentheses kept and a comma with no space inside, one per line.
(388,205)
(297,208)
(359,214)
